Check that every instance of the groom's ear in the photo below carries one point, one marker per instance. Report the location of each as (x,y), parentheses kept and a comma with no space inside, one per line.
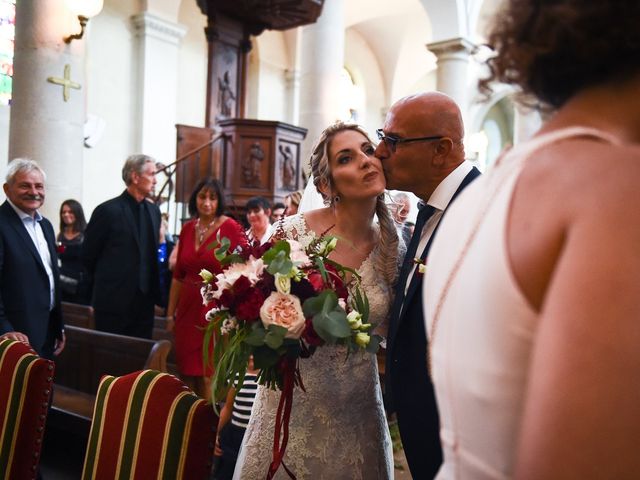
(442,151)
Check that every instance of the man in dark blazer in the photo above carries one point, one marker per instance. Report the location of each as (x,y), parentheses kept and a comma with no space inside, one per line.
(120,252)
(422,152)
(29,276)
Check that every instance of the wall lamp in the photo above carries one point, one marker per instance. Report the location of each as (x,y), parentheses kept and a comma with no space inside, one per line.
(84,9)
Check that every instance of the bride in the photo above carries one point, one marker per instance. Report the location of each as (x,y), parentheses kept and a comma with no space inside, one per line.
(338,427)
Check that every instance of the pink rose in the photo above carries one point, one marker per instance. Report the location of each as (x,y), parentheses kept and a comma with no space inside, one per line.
(285,311)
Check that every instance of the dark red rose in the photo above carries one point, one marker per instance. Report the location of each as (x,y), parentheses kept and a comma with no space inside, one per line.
(302,289)
(337,283)
(266,284)
(310,336)
(241,285)
(248,307)
(60,248)
(227,298)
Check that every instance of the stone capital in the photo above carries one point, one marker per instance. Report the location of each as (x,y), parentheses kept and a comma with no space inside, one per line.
(453,47)
(148,24)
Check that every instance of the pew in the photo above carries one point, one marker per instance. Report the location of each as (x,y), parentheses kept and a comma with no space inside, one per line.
(78,315)
(88,355)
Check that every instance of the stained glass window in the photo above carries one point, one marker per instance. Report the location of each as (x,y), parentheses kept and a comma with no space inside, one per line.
(7,34)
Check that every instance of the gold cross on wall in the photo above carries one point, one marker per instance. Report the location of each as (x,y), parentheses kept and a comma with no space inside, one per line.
(65,82)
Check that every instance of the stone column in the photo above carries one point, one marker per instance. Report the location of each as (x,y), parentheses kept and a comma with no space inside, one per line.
(527,121)
(158,43)
(452,74)
(45,126)
(322,60)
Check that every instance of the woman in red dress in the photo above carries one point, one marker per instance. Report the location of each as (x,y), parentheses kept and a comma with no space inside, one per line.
(206,206)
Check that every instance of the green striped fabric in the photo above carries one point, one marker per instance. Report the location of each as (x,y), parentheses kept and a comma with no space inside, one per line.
(143,427)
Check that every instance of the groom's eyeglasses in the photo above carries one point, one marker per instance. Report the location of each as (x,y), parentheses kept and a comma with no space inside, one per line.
(392,142)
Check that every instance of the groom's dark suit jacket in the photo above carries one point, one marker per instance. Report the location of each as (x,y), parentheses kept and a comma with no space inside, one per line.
(24,284)
(408,388)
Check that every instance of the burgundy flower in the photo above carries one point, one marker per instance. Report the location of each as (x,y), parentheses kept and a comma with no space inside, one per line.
(60,248)
(241,285)
(248,306)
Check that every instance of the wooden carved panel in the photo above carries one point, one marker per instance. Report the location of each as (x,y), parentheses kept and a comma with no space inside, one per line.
(287,166)
(255,161)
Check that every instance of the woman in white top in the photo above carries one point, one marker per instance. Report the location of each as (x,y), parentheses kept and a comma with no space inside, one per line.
(532,296)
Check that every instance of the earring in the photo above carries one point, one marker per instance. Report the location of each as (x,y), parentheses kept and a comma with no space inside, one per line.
(336,199)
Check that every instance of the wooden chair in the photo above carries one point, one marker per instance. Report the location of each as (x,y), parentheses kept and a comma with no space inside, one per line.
(25,391)
(148,425)
(78,315)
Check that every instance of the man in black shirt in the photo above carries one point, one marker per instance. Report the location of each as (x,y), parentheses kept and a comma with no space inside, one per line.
(119,252)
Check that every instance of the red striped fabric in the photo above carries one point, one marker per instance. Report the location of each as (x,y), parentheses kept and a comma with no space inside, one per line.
(25,390)
(149,425)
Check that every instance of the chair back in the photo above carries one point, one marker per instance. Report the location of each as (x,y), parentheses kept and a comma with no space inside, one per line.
(25,392)
(149,425)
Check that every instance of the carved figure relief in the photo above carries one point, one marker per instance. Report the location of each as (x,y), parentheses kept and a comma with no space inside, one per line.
(287,169)
(252,166)
(226,97)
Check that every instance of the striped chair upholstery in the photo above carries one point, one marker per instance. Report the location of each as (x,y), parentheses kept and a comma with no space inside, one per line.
(149,425)
(25,391)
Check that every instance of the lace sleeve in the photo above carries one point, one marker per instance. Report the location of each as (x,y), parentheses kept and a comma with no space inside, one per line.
(295,227)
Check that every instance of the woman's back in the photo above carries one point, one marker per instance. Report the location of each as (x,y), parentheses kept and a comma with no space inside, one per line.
(539,252)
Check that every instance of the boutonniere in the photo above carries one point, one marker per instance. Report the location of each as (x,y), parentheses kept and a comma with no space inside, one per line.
(421,265)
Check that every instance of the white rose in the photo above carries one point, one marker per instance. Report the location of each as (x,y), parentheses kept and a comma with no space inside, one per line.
(283,283)
(283,310)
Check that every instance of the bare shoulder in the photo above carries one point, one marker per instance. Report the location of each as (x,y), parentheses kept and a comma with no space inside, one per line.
(582,177)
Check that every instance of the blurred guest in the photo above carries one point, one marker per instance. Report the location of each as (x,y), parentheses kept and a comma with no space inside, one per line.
(258,213)
(292,202)
(277,211)
(400,209)
(185,310)
(74,285)
(532,287)
(165,249)
(29,287)
(120,253)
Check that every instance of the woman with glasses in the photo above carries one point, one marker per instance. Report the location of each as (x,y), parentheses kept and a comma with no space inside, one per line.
(532,296)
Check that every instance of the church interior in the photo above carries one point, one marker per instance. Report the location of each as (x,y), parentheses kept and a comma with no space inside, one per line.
(212,87)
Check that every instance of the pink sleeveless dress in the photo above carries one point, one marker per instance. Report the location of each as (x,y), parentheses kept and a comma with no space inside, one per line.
(484,326)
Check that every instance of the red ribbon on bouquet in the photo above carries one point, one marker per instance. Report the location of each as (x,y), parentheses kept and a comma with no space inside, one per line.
(291,377)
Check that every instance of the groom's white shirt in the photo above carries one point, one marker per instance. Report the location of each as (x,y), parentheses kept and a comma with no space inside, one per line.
(439,199)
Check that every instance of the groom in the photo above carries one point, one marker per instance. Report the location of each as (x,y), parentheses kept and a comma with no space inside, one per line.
(421,152)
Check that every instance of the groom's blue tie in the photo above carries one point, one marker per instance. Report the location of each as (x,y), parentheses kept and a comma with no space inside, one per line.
(423,215)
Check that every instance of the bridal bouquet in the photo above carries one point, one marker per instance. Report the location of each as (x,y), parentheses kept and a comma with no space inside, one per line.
(279,302)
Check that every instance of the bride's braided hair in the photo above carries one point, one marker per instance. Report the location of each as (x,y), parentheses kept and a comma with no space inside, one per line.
(387,266)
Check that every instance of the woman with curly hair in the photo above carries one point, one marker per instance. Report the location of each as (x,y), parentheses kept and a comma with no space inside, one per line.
(532,294)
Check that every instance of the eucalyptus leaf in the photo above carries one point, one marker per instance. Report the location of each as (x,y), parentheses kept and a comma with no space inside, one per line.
(256,337)
(275,336)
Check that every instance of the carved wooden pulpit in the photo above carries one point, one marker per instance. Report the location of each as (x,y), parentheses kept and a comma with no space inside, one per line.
(263,159)
(258,157)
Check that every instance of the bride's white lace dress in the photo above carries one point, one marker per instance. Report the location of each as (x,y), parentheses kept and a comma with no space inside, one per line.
(338,428)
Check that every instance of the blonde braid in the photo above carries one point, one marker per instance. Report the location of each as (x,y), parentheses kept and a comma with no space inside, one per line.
(388,264)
